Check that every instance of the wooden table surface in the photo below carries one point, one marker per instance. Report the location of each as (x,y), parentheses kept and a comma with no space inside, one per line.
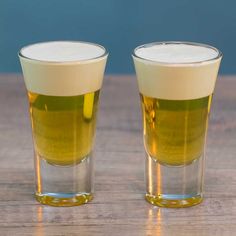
(119,207)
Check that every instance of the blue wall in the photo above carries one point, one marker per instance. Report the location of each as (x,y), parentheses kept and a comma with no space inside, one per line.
(119,25)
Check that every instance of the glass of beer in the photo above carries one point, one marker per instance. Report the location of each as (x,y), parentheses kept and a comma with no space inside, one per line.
(176,83)
(63,81)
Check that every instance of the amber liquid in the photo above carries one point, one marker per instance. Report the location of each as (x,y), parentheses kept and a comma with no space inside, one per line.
(175,130)
(63,127)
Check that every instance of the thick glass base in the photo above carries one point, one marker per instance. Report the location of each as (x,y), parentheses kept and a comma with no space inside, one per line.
(171,201)
(63,199)
(64,185)
(174,186)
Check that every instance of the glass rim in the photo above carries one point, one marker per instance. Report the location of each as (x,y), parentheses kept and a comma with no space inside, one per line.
(104,54)
(147,45)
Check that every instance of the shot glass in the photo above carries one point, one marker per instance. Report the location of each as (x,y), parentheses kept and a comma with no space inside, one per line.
(176,82)
(63,81)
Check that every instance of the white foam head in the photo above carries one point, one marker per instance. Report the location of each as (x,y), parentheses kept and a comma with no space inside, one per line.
(63,68)
(176,53)
(176,70)
(62,51)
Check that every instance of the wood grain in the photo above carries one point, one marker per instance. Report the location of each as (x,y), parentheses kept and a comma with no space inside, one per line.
(119,207)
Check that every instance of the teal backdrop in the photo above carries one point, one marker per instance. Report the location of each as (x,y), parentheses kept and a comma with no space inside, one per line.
(119,25)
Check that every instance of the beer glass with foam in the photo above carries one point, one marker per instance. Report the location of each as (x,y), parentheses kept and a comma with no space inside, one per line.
(63,81)
(176,82)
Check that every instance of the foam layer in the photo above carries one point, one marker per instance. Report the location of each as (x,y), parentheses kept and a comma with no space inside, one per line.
(63,68)
(62,51)
(176,53)
(176,71)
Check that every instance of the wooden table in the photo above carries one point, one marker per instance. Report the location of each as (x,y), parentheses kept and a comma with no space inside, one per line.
(119,207)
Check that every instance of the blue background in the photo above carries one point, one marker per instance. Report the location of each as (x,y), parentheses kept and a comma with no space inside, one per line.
(119,25)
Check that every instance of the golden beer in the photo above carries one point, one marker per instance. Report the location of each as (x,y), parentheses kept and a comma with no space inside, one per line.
(176,82)
(175,130)
(63,127)
(63,80)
